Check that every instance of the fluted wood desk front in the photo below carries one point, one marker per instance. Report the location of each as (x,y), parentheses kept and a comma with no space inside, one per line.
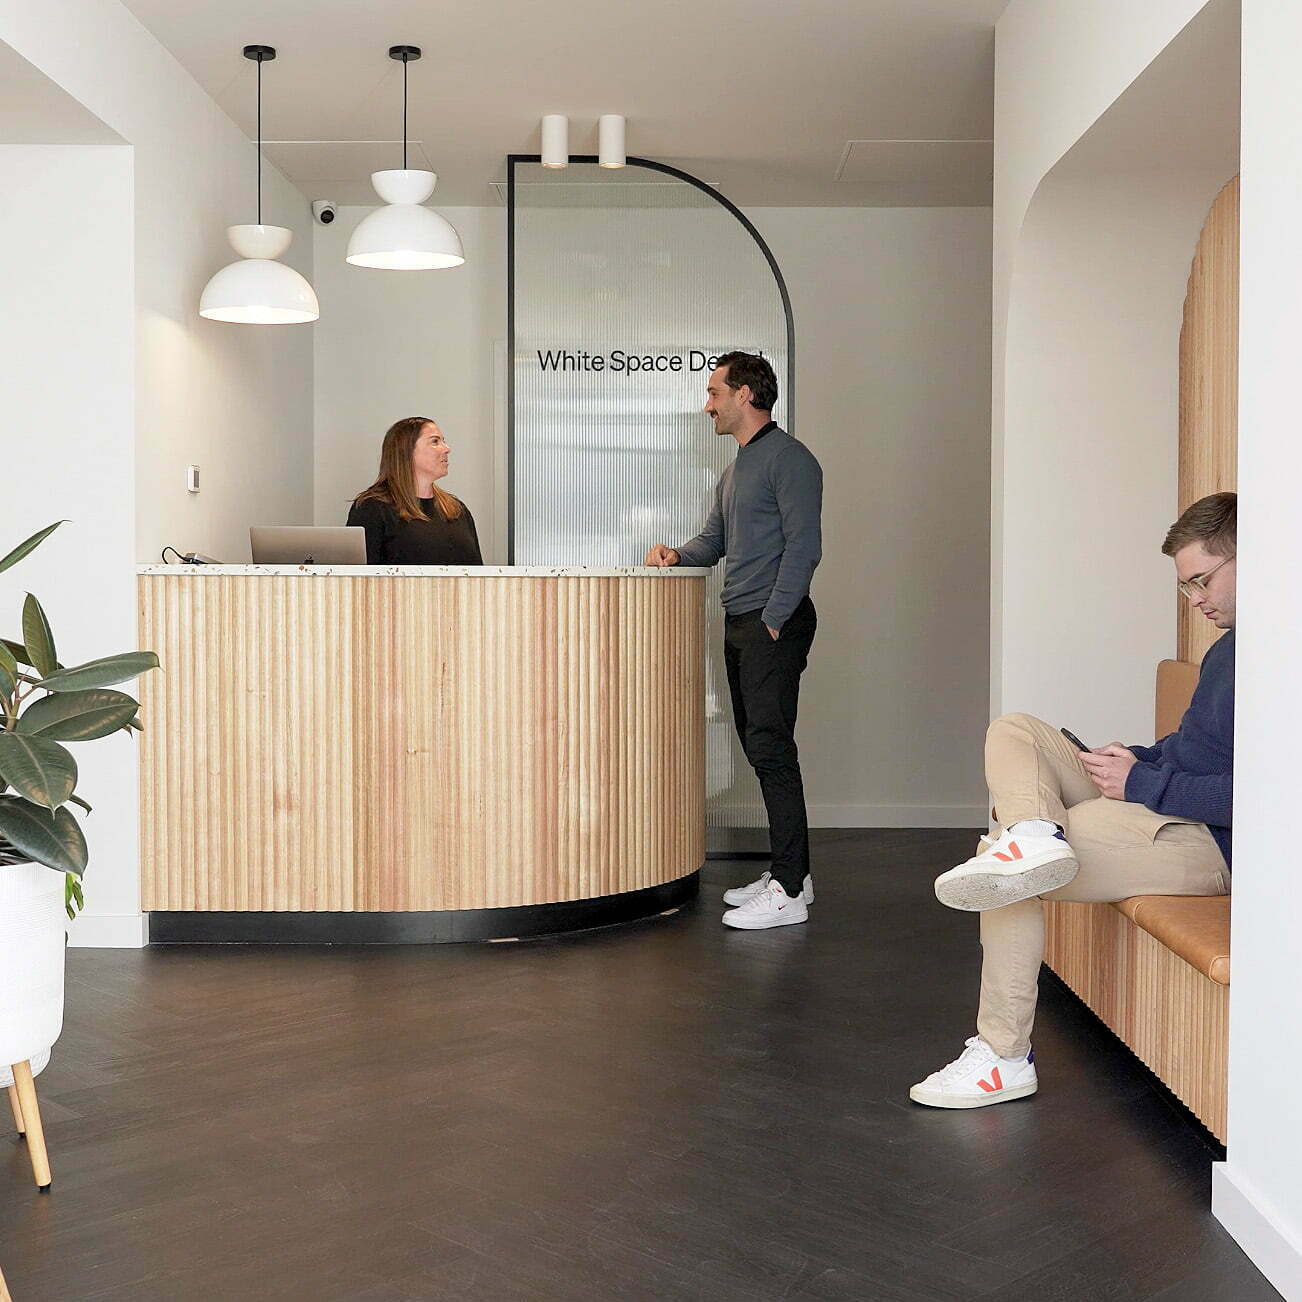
(430,741)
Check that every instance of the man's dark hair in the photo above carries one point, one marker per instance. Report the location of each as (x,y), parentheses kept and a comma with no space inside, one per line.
(746,368)
(1212,521)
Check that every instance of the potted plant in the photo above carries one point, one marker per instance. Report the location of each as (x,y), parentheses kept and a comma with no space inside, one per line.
(42,849)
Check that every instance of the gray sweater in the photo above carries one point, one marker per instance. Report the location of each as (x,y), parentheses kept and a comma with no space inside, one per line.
(766,520)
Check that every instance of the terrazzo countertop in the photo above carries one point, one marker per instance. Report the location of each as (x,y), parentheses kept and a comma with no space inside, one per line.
(436,571)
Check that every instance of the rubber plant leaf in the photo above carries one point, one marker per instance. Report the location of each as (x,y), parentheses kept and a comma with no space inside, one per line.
(37,768)
(78,716)
(38,637)
(30,545)
(53,839)
(100,673)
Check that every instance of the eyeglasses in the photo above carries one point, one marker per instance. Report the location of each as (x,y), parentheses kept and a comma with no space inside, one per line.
(1197,586)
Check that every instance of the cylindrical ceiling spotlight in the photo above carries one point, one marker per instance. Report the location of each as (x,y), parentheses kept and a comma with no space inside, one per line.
(610,140)
(404,235)
(555,140)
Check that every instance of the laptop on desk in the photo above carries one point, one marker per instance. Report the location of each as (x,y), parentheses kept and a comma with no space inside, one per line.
(295,544)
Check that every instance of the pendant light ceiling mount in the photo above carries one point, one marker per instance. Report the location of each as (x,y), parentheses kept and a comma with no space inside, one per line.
(258,290)
(404,235)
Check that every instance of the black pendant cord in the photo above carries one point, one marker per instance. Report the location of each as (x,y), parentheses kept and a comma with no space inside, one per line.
(259,53)
(259,140)
(405,53)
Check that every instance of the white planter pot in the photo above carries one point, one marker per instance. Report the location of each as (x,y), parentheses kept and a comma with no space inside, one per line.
(32,946)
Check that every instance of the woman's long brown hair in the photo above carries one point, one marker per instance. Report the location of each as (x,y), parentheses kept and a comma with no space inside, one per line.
(396,484)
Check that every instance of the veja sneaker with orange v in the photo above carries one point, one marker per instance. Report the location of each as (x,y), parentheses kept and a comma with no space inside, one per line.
(977,1078)
(1022,861)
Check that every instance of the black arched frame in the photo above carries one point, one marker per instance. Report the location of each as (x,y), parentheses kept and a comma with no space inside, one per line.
(651,165)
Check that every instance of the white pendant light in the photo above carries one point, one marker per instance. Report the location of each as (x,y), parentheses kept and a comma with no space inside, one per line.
(258,290)
(555,140)
(610,140)
(403,235)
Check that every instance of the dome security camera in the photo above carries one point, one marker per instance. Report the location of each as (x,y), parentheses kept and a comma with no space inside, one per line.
(324,210)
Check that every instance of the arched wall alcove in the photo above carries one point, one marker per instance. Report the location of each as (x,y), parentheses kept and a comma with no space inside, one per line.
(1088,480)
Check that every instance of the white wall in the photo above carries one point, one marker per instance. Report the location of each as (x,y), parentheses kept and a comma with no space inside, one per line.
(1087,367)
(68,433)
(1258,1192)
(1059,65)
(1090,448)
(892,313)
(892,385)
(236,400)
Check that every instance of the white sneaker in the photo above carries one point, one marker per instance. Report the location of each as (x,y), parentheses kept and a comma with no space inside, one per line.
(1012,867)
(769,907)
(977,1078)
(740,894)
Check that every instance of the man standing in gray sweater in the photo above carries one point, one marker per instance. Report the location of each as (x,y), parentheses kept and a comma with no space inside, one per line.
(766,520)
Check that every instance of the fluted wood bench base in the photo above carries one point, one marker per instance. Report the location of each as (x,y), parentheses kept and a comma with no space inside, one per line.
(1156,968)
(1169,1012)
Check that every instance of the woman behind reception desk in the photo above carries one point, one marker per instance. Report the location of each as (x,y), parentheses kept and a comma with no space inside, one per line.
(408,518)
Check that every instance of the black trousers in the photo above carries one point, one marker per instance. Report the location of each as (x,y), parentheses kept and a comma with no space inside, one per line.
(764,678)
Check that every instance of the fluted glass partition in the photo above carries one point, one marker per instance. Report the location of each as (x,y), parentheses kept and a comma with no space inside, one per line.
(625,285)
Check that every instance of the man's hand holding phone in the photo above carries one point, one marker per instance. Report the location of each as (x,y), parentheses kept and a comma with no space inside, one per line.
(1109,766)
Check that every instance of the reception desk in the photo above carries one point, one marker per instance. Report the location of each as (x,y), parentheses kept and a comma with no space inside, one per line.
(415,754)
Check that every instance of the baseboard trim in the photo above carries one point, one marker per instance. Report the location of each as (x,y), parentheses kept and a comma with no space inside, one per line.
(108,931)
(865,816)
(1253,1225)
(898,815)
(422,927)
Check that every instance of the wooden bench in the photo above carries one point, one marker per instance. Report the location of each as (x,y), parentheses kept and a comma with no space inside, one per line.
(1156,968)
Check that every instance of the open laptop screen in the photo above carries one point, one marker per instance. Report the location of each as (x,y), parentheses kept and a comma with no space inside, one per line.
(307,544)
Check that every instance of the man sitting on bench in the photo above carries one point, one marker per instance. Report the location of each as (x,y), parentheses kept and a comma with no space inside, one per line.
(1098,825)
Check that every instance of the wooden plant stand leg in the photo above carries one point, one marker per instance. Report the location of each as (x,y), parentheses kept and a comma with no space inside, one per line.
(18,1121)
(32,1117)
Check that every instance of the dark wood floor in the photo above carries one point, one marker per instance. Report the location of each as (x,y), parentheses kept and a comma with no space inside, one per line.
(661,1111)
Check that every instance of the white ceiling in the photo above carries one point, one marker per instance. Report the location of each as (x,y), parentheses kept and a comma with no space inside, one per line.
(825,102)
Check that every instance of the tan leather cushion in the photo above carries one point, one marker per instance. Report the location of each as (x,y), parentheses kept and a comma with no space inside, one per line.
(1197,927)
(1176,680)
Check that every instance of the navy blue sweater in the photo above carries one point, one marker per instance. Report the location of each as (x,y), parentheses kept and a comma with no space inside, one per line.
(1191,773)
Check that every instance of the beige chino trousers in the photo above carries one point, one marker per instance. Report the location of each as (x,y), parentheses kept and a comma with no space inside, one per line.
(1123,849)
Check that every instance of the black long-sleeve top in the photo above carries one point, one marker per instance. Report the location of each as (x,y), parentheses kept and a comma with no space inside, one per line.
(391,540)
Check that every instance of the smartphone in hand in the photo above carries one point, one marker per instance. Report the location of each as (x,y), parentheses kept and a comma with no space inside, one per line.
(1075,740)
